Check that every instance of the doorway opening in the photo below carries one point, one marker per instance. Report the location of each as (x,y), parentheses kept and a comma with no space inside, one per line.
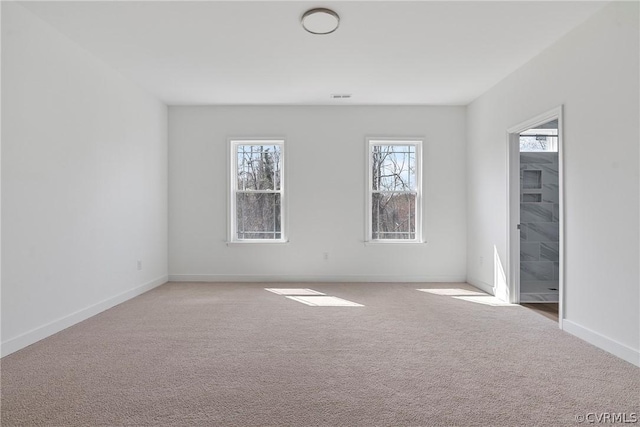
(536,212)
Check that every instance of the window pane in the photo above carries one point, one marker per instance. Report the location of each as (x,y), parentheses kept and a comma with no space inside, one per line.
(258,167)
(258,216)
(393,216)
(540,138)
(394,167)
(538,143)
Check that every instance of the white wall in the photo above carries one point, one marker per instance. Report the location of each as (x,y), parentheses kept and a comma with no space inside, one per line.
(84,183)
(593,71)
(326,152)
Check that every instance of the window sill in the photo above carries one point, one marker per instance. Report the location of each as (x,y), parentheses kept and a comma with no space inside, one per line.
(393,242)
(256,242)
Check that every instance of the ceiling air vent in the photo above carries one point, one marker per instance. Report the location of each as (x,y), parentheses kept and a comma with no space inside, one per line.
(340,95)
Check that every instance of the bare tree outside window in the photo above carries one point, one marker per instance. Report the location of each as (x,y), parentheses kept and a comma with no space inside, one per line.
(258,192)
(394,192)
(540,139)
(538,143)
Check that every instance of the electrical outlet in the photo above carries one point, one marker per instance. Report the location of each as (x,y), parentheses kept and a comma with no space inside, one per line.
(139,265)
(481,260)
(325,256)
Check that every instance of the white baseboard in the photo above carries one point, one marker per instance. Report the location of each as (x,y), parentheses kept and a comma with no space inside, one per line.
(483,286)
(14,344)
(311,278)
(607,344)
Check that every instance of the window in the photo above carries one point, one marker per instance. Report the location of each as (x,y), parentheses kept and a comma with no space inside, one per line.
(543,138)
(257,191)
(393,190)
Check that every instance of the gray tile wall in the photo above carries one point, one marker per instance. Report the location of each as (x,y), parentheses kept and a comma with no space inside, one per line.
(539,229)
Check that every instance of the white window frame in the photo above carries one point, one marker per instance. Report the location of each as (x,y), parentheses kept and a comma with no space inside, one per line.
(549,133)
(233,144)
(418,144)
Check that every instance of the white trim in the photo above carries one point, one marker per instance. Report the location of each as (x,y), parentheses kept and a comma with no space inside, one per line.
(561,245)
(513,205)
(257,242)
(418,143)
(383,242)
(513,217)
(288,278)
(537,120)
(14,344)
(483,286)
(232,143)
(616,348)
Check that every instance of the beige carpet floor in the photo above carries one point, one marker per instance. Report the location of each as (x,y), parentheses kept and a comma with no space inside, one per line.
(198,354)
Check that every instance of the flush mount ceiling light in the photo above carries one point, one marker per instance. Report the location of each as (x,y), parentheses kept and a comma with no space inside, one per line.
(320,21)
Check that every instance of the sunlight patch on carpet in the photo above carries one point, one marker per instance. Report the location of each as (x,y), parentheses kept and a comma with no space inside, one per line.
(295,291)
(486,300)
(324,301)
(452,292)
(477,297)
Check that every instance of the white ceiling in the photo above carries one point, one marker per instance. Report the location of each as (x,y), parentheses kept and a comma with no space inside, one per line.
(235,52)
